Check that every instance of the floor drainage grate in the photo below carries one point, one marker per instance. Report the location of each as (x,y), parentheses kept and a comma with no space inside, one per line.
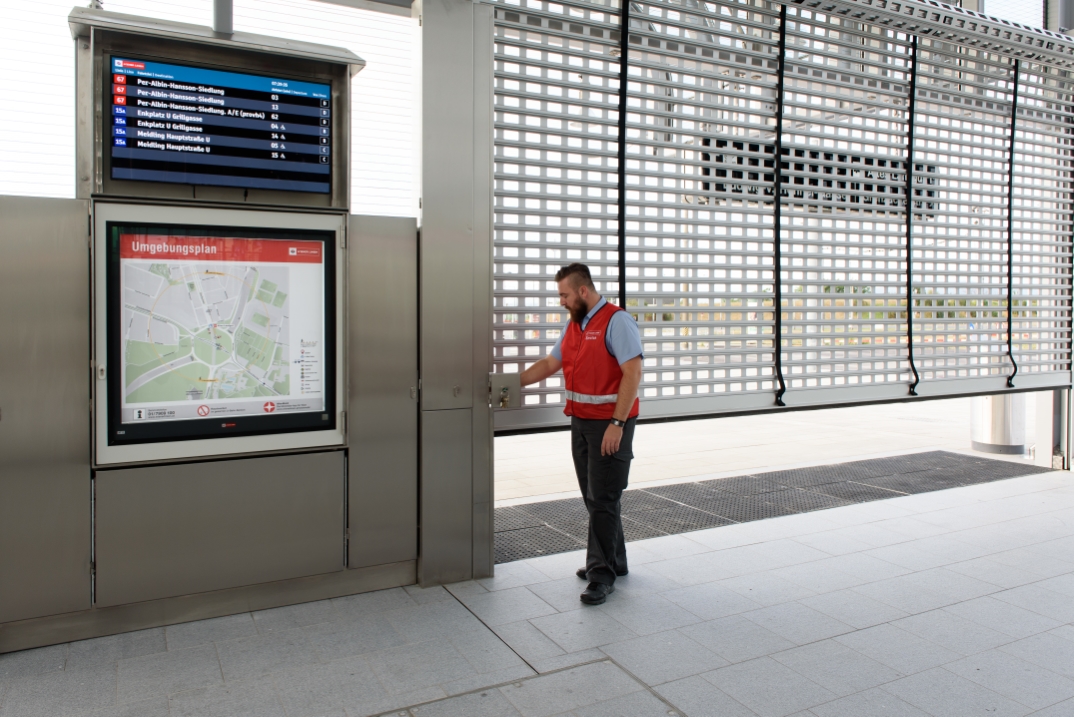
(559,526)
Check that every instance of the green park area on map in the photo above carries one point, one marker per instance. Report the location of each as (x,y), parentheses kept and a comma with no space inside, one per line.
(205,331)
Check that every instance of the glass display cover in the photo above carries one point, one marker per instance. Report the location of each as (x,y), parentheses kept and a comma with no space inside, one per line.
(192,125)
(218,331)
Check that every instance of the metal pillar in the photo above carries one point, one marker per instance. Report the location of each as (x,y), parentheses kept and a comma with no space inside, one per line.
(998,423)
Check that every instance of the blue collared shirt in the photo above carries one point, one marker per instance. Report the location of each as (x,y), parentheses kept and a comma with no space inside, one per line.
(622,337)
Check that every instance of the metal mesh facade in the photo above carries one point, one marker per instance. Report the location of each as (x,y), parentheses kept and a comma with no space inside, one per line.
(1042,221)
(701,176)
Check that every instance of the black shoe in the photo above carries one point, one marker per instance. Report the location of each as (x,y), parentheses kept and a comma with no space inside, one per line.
(596,593)
(581,572)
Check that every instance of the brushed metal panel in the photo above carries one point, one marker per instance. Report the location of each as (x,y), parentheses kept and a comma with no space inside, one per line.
(382,414)
(44,407)
(164,531)
(99,622)
(483,471)
(447,271)
(446,497)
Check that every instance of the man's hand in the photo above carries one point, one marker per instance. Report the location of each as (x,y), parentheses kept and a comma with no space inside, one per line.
(612,436)
(540,370)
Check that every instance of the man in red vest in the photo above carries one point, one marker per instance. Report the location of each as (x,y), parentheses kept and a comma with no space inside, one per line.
(600,354)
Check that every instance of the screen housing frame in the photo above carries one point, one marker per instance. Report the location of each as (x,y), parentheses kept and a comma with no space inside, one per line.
(106,43)
(192,448)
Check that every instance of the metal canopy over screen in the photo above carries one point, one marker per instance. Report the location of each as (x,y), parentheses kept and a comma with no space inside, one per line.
(860,116)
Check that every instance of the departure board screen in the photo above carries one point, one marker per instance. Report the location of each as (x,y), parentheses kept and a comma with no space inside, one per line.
(190,125)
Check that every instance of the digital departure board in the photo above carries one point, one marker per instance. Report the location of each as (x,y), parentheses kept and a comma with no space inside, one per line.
(190,125)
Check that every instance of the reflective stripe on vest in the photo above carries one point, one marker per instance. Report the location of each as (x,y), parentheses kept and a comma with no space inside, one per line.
(586,398)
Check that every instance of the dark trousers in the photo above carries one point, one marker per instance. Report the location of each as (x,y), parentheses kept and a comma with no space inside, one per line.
(602,480)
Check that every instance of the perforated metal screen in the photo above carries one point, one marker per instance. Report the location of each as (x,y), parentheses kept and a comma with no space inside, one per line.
(707,111)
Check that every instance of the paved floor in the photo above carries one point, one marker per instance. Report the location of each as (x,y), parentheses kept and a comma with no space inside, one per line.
(558,526)
(951,603)
(539,464)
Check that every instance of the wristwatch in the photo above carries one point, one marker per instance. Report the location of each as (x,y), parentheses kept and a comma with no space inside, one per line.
(617,422)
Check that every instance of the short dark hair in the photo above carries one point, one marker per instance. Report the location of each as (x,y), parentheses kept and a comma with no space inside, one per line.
(579,274)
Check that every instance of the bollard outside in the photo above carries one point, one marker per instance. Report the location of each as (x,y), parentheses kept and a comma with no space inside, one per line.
(998,423)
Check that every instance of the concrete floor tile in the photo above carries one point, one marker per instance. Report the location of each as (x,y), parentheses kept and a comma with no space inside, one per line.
(527,641)
(1041,601)
(636,704)
(957,634)
(101,651)
(898,649)
(423,596)
(485,679)
(59,693)
(253,698)
(769,688)
(562,594)
(252,657)
(357,635)
(488,703)
(570,689)
(766,589)
(866,568)
(647,614)
(570,659)
(165,673)
(663,657)
(329,689)
(697,697)
(736,639)
(33,662)
(290,617)
(905,595)
(1003,617)
(994,572)
(467,588)
(710,601)
(910,556)
(217,629)
(940,692)
(433,620)
(1046,650)
(1013,677)
(642,580)
(1040,563)
(798,623)
(836,667)
(155,707)
(818,576)
(1063,709)
(415,667)
(377,601)
(513,575)
(869,703)
(583,629)
(485,651)
(504,606)
(666,547)
(853,608)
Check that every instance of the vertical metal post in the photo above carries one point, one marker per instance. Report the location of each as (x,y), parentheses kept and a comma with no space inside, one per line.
(624,54)
(223,17)
(777,229)
(1010,229)
(910,215)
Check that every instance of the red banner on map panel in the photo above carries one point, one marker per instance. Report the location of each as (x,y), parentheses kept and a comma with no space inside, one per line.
(163,246)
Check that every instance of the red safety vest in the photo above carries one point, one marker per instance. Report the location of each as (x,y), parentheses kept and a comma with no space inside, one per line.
(590,372)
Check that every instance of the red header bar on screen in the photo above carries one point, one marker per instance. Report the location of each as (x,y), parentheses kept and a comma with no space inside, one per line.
(226,249)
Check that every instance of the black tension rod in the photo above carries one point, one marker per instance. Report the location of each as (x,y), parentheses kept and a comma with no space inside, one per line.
(1010,230)
(624,53)
(910,215)
(777,229)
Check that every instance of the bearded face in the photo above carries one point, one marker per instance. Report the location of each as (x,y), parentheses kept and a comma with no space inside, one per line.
(577,309)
